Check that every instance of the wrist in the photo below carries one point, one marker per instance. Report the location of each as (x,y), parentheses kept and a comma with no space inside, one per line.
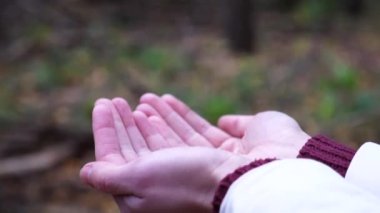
(289,144)
(327,151)
(299,142)
(222,171)
(230,178)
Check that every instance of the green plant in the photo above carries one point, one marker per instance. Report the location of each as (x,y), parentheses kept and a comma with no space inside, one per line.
(163,62)
(215,106)
(314,12)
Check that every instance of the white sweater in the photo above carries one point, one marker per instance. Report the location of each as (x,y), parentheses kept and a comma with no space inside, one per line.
(300,185)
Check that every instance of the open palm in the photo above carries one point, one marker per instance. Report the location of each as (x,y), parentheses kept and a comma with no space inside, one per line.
(268,134)
(130,165)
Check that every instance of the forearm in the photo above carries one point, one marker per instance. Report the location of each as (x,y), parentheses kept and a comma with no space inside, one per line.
(319,148)
(296,185)
(227,181)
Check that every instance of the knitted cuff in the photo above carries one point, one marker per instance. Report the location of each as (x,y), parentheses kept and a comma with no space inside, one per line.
(329,152)
(227,181)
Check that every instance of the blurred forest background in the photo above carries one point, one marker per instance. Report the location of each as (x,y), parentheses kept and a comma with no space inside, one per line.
(317,60)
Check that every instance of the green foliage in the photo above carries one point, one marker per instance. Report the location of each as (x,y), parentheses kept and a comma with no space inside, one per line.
(155,59)
(330,87)
(163,62)
(81,113)
(345,77)
(38,33)
(47,77)
(364,101)
(340,92)
(327,106)
(216,106)
(76,65)
(314,12)
(8,109)
(247,81)
(87,109)
(61,69)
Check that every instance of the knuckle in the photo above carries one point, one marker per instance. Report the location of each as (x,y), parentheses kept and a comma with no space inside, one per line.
(103,184)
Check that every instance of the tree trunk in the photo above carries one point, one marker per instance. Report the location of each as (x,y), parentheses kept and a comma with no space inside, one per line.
(354,7)
(239,25)
(4,21)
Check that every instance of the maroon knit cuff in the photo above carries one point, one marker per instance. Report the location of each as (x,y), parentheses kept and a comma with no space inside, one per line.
(329,152)
(229,179)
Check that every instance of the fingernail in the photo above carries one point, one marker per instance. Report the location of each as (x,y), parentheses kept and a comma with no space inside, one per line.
(100,101)
(87,172)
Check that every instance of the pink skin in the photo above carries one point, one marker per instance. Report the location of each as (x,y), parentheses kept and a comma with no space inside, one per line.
(269,133)
(266,134)
(190,128)
(134,163)
(156,120)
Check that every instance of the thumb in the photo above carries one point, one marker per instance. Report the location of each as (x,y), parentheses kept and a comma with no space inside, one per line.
(234,125)
(106,177)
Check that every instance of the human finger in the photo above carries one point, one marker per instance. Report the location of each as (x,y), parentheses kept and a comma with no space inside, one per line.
(106,177)
(151,135)
(170,136)
(215,135)
(175,121)
(135,137)
(235,125)
(106,139)
(147,110)
(156,119)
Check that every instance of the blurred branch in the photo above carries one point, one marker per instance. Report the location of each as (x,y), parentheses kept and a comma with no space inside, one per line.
(31,150)
(34,162)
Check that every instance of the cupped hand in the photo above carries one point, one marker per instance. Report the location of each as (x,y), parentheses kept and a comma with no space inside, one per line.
(143,178)
(268,134)
(178,123)
(182,179)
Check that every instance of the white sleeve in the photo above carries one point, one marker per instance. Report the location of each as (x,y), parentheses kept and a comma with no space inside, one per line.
(364,170)
(296,185)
